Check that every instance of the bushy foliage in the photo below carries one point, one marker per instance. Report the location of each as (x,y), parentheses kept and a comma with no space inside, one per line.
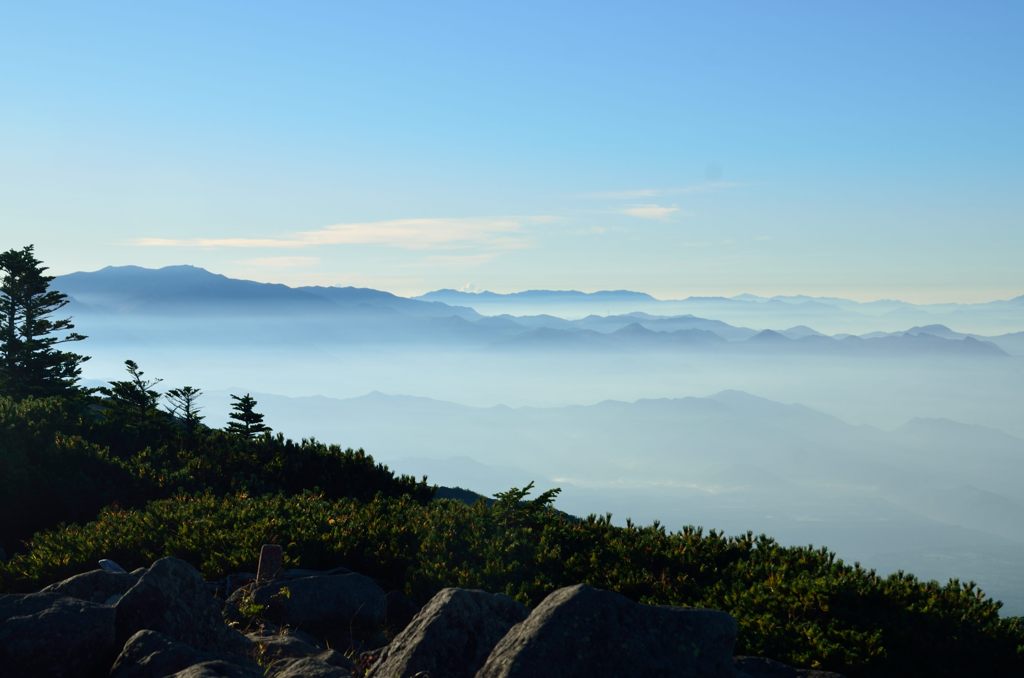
(56,465)
(222,462)
(49,474)
(800,605)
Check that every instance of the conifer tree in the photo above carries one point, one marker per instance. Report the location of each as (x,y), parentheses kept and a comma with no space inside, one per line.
(245,420)
(133,400)
(183,404)
(31,364)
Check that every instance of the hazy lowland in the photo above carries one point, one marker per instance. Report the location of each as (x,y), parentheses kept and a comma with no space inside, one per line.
(890,432)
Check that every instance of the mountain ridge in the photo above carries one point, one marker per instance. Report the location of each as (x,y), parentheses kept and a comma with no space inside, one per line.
(178,292)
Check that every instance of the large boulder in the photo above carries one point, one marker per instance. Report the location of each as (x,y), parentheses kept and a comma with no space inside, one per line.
(583,631)
(97,586)
(22,604)
(171,598)
(451,636)
(149,654)
(329,664)
(217,669)
(269,646)
(46,634)
(759,667)
(321,604)
(279,650)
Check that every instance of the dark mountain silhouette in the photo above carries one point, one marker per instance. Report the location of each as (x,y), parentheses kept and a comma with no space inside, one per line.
(181,289)
(189,289)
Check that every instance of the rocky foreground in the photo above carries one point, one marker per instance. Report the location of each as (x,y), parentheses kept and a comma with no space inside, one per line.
(167,621)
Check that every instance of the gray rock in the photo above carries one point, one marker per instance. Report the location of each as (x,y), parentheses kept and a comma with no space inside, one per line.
(284,645)
(298,572)
(760,667)
(451,636)
(309,667)
(21,604)
(149,654)
(171,598)
(97,586)
(217,669)
(583,631)
(320,604)
(44,634)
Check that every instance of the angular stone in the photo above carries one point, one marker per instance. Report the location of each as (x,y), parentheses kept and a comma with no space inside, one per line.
(451,636)
(580,631)
(44,634)
(22,604)
(283,645)
(149,654)
(171,598)
(217,669)
(298,572)
(96,586)
(271,562)
(309,667)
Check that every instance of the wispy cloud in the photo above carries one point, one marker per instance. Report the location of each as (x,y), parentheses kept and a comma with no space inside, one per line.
(422,233)
(213,243)
(632,194)
(650,211)
(641,193)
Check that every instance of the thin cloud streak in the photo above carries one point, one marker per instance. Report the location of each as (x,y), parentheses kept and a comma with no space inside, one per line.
(650,211)
(411,234)
(640,193)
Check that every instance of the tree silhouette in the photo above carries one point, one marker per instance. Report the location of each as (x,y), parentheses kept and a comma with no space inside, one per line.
(30,362)
(133,399)
(245,420)
(183,404)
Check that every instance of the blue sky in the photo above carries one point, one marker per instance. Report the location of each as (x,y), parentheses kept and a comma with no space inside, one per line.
(863,149)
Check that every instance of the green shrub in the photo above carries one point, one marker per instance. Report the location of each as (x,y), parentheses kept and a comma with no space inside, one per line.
(800,605)
(53,470)
(48,476)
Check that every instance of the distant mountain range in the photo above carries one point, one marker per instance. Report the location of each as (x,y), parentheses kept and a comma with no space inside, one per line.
(828,314)
(189,304)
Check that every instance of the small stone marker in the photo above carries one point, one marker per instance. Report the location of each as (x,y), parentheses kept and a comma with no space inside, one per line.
(271,560)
